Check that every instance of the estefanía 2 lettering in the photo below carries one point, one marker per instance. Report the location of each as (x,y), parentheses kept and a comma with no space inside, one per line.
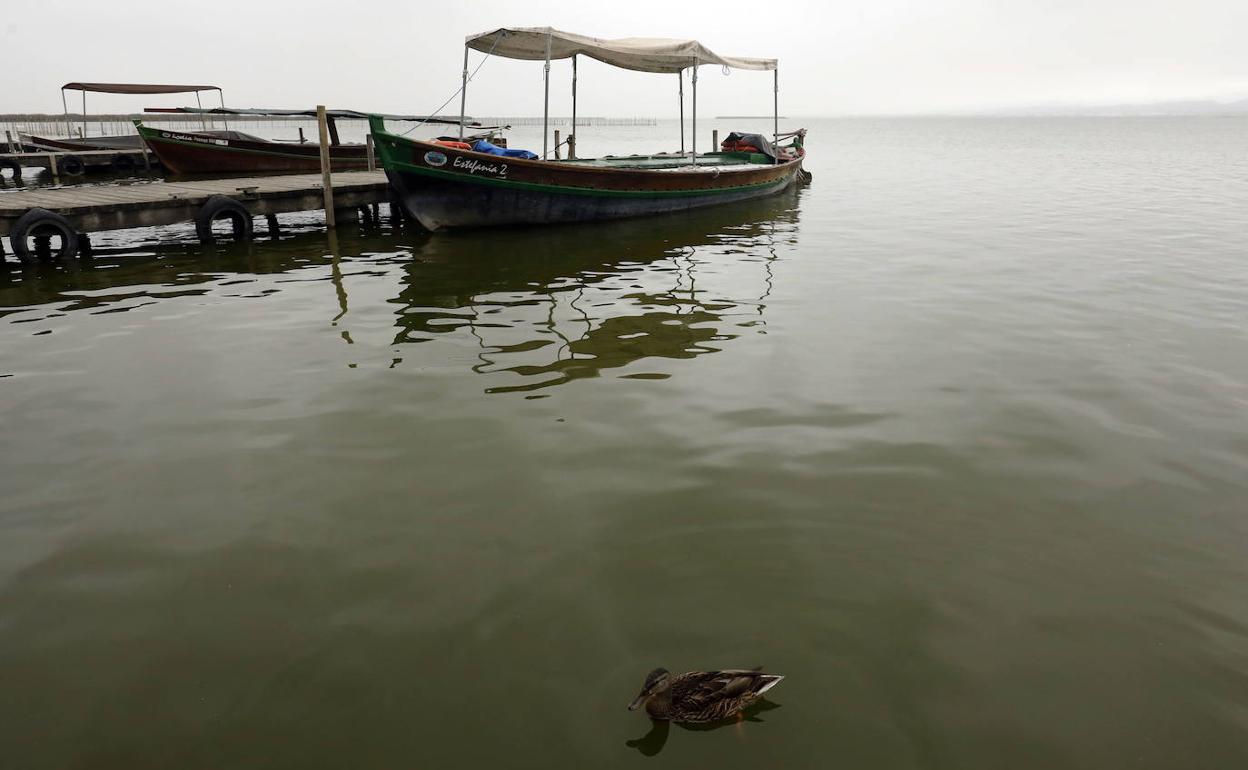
(473,166)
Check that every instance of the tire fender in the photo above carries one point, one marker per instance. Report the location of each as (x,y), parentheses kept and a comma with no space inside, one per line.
(37,222)
(71,165)
(123,164)
(223,207)
(12,165)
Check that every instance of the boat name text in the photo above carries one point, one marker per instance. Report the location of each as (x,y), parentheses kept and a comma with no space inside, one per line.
(193,138)
(472,166)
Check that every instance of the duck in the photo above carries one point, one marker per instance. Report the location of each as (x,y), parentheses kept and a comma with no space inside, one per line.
(702,696)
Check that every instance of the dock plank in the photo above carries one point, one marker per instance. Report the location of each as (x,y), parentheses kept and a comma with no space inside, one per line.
(108,207)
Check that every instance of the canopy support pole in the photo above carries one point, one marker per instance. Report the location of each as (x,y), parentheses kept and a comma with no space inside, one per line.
(681,75)
(775,120)
(463,95)
(572,144)
(203,121)
(546,103)
(693,135)
(69,131)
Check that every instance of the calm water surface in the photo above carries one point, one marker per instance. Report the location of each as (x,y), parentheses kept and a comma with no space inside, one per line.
(956,438)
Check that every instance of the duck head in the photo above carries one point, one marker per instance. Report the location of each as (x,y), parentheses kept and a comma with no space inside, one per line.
(657,681)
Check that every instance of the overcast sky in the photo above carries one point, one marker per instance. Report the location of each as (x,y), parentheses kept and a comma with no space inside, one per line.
(846,57)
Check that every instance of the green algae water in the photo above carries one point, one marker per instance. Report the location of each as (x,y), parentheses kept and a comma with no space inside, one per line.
(956,438)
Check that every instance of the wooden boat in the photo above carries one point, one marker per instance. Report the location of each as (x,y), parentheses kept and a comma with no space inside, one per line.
(130,142)
(224,152)
(219,152)
(444,185)
(114,142)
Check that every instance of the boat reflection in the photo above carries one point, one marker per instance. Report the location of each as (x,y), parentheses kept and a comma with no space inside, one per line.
(547,306)
(526,308)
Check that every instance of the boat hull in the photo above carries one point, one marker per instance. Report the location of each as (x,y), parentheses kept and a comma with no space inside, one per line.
(446,204)
(443,187)
(189,152)
(47,144)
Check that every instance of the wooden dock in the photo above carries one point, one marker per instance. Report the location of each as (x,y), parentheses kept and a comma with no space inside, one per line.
(92,208)
(78,162)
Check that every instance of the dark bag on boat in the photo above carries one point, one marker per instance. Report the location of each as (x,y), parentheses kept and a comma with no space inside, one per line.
(758,142)
(483,146)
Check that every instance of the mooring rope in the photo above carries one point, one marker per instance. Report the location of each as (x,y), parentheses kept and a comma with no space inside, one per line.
(461,87)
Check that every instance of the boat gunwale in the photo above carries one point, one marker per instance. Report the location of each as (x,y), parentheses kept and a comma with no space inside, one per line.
(408,168)
(585,172)
(357,151)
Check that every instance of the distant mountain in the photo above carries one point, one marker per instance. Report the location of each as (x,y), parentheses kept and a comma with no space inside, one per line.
(1176,107)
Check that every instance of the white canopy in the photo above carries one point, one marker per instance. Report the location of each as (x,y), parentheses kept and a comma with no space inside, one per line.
(645,54)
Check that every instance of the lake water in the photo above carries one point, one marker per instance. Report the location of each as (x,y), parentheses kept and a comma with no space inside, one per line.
(956,438)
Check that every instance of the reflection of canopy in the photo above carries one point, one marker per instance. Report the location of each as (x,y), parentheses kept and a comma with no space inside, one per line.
(134,88)
(645,54)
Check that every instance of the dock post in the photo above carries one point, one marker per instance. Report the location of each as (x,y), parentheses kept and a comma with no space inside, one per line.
(52,167)
(556,144)
(715,140)
(8,135)
(372,157)
(572,146)
(327,184)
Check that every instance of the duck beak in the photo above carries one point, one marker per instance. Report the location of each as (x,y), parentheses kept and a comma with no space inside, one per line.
(640,699)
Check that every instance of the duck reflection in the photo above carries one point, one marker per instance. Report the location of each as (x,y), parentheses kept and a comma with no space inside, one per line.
(653,742)
(547,306)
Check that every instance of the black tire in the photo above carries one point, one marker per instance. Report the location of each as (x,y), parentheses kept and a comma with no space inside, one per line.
(12,165)
(124,164)
(41,222)
(223,207)
(71,165)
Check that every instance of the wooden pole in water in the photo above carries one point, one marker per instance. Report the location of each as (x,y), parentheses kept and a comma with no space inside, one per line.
(556,144)
(714,140)
(8,136)
(327,184)
(372,157)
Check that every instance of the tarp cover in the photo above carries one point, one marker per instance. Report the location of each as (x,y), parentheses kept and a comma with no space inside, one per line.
(645,54)
(763,144)
(338,114)
(492,149)
(134,88)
